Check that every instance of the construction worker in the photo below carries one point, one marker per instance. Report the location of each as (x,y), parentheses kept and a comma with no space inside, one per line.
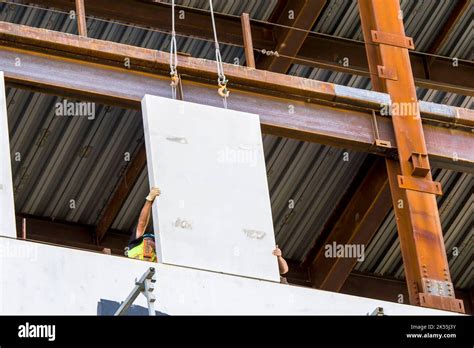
(282,264)
(142,242)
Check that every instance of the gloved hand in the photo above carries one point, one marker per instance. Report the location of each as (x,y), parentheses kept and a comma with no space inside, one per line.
(154,192)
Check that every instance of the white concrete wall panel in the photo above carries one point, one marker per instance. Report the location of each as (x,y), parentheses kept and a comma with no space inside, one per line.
(40,279)
(7,205)
(214,212)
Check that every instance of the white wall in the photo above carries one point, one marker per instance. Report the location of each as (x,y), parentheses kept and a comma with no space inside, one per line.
(43,279)
(214,212)
(7,207)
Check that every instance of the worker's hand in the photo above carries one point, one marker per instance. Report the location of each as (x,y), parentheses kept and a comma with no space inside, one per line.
(154,192)
(277,251)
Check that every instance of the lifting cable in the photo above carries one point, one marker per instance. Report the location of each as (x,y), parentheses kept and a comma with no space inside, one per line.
(221,80)
(173,56)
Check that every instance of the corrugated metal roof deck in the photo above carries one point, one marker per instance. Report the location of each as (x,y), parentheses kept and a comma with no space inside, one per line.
(76,158)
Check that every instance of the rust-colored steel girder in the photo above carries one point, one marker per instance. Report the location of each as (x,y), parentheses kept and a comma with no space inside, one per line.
(368,285)
(387,289)
(460,8)
(121,193)
(356,225)
(248,43)
(320,51)
(69,234)
(413,190)
(322,112)
(81,18)
(299,14)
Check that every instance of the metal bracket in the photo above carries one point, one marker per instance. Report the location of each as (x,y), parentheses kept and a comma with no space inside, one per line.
(390,39)
(379,142)
(421,185)
(383,143)
(438,287)
(441,302)
(421,166)
(387,73)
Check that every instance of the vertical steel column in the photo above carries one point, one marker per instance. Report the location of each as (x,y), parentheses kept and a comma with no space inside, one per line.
(413,190)
(248,44)
(81,18)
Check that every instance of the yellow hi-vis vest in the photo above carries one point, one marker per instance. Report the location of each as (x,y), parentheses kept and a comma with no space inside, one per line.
(143,251)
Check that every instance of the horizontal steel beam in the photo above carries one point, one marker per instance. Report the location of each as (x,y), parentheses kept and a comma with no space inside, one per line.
(125,57)
(319,51)
(368,285)
(356,225)
(69,234)
(288,106)
(389,289)
(289,41)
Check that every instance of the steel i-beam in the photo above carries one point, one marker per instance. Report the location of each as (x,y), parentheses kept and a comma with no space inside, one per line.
(411,184)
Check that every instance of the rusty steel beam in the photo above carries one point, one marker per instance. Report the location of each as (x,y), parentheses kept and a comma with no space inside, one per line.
(386,289)
(368,285)
(338,210)
(157,15)
(248,44)
(261,92)
(460,9)
(299,14)
(277,10)
(81,18)
(157,62)
(309,122)
(457,13)
(121,193)
(421,238)
(141,59)
(329,53)
(69,234)
(320,51)
(357,224)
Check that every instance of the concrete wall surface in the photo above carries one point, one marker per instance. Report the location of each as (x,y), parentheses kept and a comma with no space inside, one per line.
(214,212)
(50,280)
(7,205)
